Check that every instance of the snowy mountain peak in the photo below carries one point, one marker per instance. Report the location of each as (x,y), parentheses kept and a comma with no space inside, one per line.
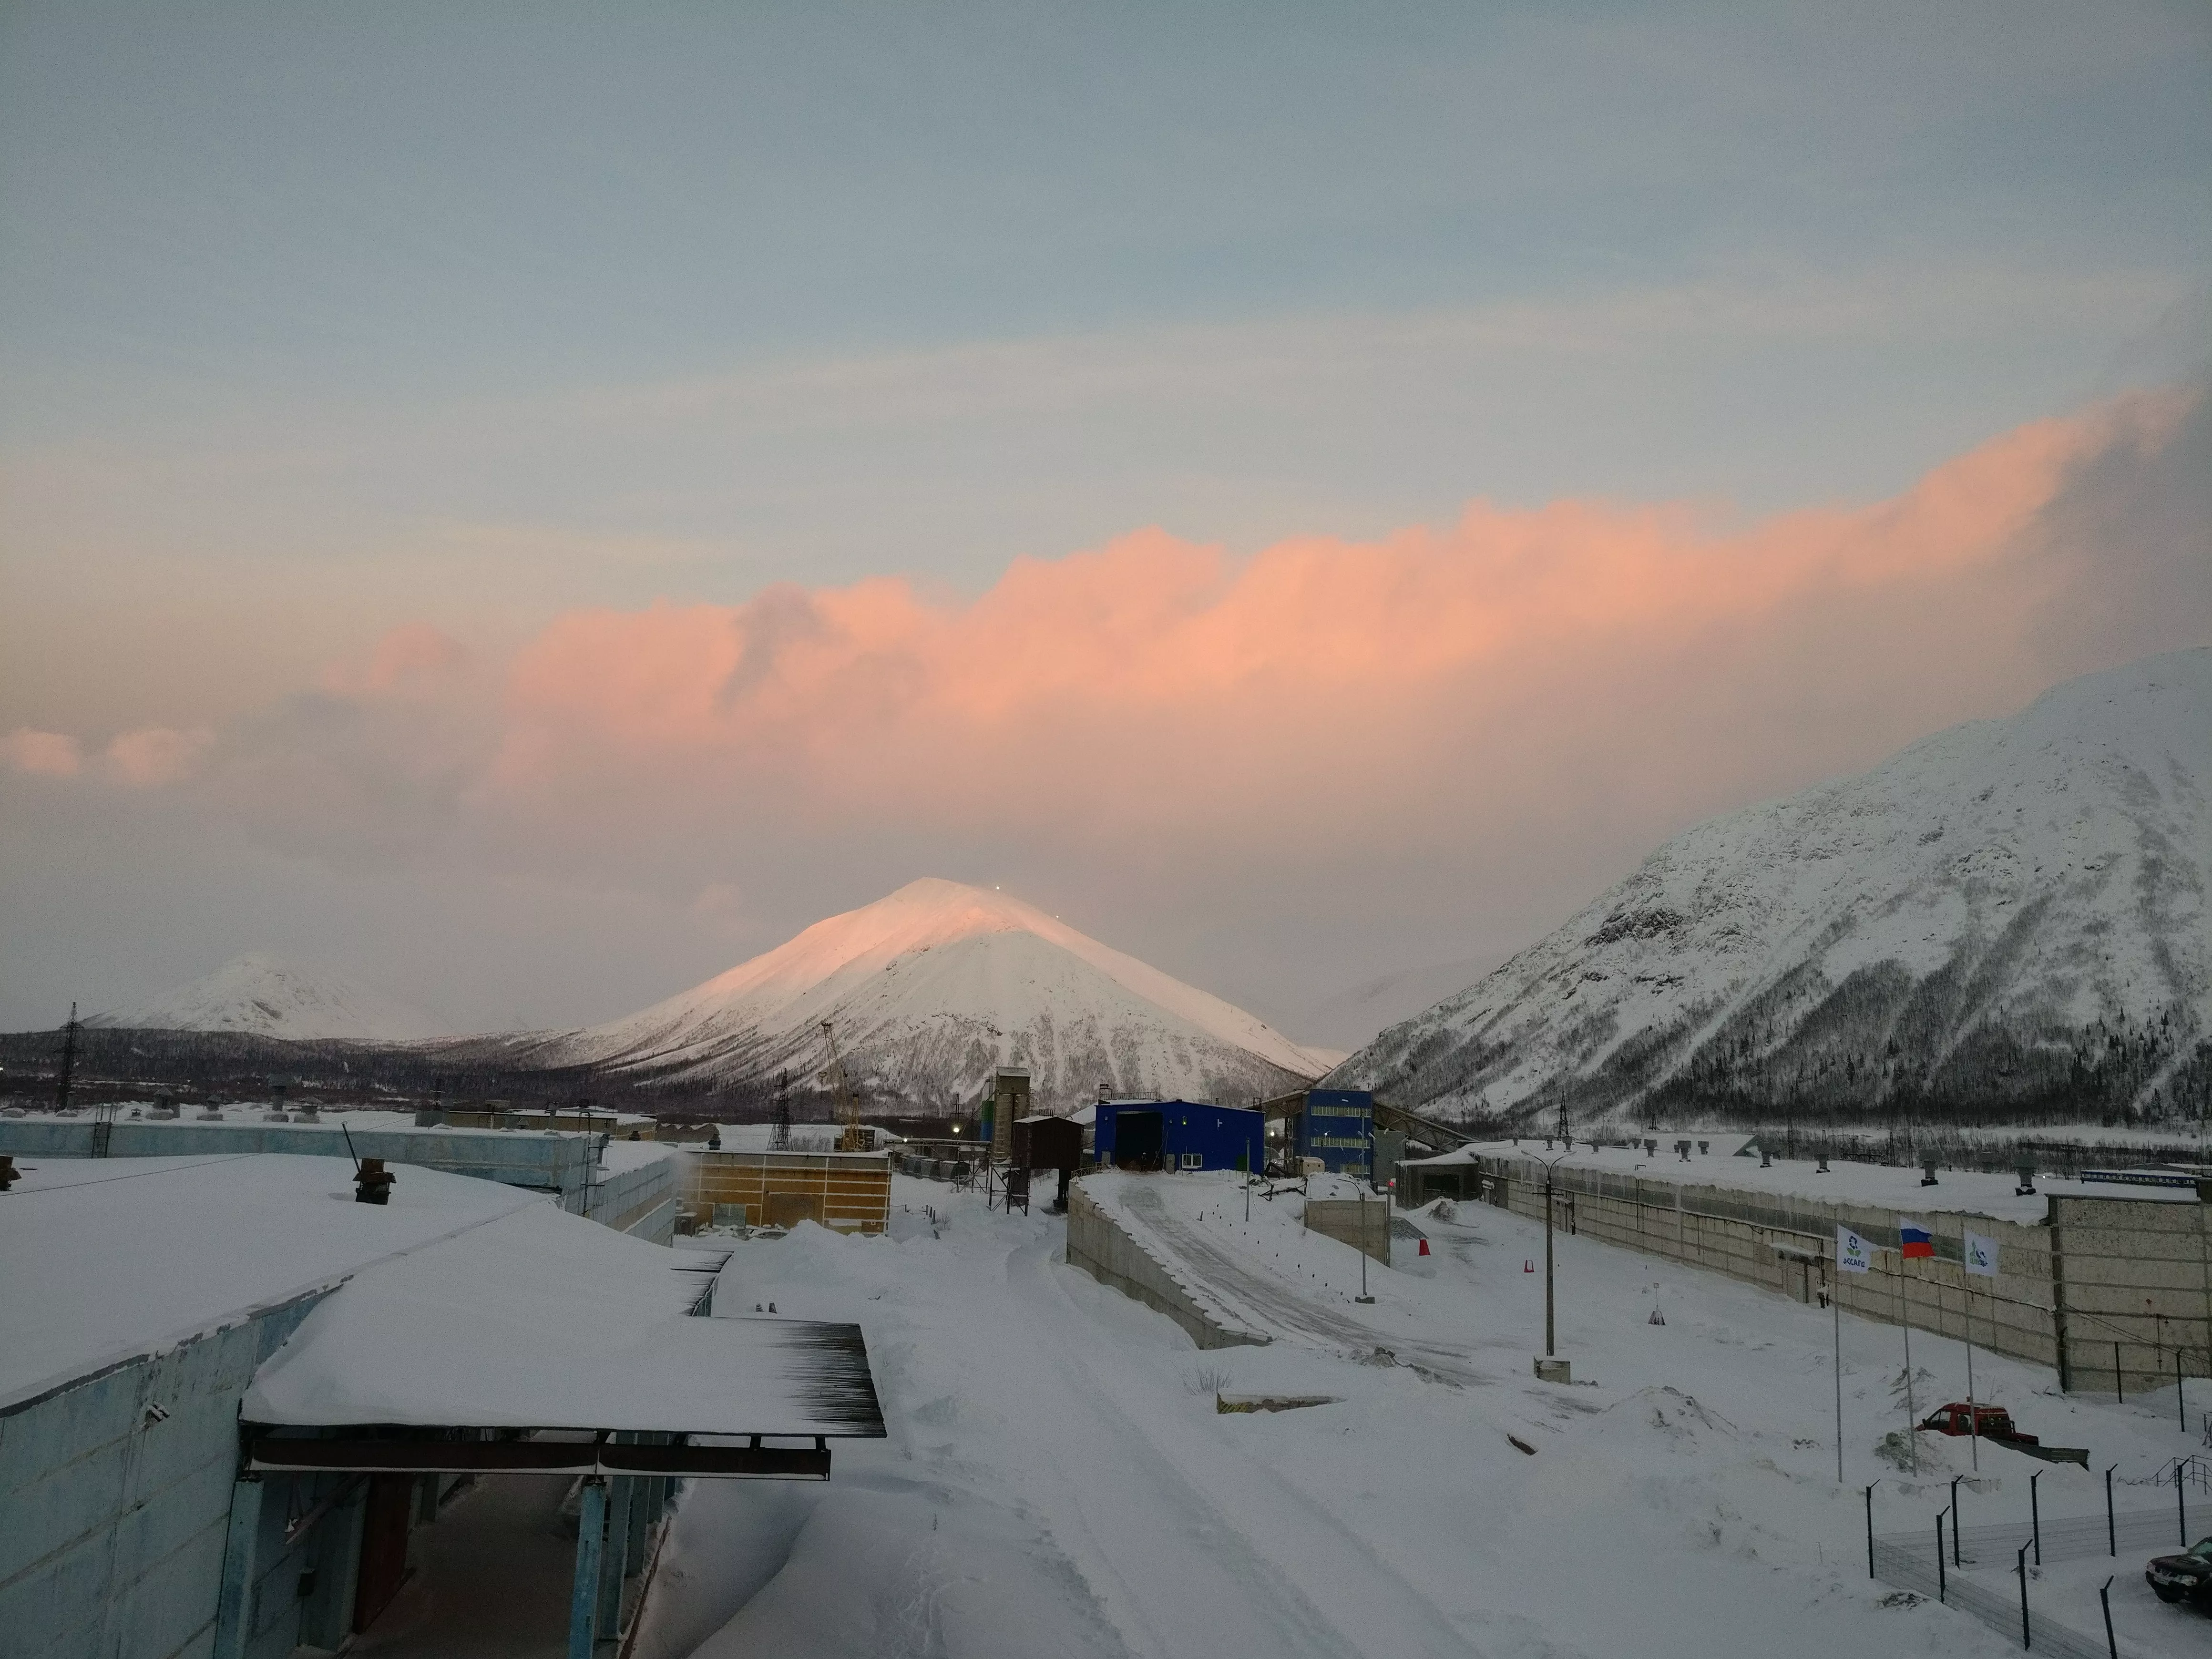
(262,995)
(2013,916)
(931,987)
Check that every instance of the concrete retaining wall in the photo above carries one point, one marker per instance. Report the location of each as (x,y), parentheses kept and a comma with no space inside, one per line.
(2096,1270)
(1363,1226)
(1098,1243)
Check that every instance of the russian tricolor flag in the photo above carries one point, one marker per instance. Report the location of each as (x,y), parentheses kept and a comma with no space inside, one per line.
(1913,1238)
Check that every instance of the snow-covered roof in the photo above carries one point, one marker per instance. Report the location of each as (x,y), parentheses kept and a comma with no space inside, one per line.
(108,1259)
(543,1320)
(1978,1192)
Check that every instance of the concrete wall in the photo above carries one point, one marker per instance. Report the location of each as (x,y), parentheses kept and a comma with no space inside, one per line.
(1098,1243)
(113,1523)
(1363,1226)
(2136,1271)
(643,1202)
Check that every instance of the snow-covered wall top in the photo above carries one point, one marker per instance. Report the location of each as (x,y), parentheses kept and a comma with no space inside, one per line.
(264,996)
(2010,914)
(933,986)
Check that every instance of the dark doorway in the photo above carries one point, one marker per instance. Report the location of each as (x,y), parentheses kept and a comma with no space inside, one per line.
(1139,1138)
(383,1545)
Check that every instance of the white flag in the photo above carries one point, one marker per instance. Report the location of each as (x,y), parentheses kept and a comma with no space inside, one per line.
(1981,1255)
(1852,1253)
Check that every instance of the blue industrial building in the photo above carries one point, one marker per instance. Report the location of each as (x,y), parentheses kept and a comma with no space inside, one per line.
(1338,1127)
(1179,1134)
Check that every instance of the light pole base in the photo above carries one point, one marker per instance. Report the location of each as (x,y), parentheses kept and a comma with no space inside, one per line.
(1553,1370)
(1362,1299)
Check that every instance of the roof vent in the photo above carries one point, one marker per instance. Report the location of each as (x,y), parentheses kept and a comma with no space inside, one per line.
(371,1182)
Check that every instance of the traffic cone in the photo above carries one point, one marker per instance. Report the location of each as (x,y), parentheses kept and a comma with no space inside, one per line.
(1425,1246)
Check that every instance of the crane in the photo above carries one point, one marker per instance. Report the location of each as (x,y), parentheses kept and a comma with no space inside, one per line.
(848,1104)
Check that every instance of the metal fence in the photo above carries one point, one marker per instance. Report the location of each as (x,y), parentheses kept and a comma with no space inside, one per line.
(1914,1567)
(1912,1561)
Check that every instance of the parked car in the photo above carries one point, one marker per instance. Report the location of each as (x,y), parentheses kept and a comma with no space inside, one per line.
(1992,1422)
(2184,1577)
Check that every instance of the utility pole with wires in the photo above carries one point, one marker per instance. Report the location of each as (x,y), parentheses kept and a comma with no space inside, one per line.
(68,1060)
(780,1136)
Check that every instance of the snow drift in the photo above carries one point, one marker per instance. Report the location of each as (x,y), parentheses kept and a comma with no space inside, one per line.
(2007,917)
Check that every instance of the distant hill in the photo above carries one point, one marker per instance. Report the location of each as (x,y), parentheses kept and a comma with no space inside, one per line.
(929,989)
(260,995)
(2008,920)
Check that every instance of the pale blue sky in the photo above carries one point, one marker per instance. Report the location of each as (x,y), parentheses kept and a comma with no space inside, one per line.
(318,319)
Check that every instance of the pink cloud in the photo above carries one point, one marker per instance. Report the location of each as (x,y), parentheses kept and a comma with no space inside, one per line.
(1155,682)
(156,755)
(43,754)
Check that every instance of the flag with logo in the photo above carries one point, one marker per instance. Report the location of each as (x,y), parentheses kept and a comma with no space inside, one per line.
(1981,1254)
(1913,1238)
(1852,1253)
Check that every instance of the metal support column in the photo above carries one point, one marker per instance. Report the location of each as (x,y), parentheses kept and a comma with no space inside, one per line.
(233,1607)
(584,1594)
(621,1490)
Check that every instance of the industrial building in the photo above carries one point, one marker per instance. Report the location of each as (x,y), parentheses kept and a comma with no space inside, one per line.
(1336,1126)
(1179,1135)
(235,1404)
(848,1192)
(630,1185)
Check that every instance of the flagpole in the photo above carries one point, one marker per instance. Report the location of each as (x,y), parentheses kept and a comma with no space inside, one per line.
(1974,1415)
(1905,1318)
(1836,1307)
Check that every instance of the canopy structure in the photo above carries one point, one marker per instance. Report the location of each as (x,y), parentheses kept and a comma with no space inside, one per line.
(535,1343)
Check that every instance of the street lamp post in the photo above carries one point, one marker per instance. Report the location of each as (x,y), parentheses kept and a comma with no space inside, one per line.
(1551,1328)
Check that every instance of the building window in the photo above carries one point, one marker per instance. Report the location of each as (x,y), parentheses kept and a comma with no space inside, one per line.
(1194,1160)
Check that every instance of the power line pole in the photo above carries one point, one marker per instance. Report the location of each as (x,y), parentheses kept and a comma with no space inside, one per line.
(779,1137)
(68,1060)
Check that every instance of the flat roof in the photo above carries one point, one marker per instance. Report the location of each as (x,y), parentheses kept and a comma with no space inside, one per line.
(1976,1192)
(545,1320)
(108,1259)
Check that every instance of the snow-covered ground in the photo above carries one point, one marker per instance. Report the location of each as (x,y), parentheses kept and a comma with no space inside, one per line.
(1058,1477)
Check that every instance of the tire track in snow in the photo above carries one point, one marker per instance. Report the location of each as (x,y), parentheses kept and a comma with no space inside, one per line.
(1246,1557)
(1273,1302)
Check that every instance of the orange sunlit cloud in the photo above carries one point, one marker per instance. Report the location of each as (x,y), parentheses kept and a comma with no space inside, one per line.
(1156,681)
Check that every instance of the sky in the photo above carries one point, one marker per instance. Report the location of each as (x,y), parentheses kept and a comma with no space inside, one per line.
(526,507)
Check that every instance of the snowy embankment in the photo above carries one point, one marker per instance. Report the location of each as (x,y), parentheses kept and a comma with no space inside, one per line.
(1059,1478)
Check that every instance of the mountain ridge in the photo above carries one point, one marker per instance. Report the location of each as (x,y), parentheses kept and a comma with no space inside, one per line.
(2010,917)
(262,994)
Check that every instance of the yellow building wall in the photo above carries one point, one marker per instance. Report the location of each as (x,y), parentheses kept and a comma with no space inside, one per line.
(850,1192)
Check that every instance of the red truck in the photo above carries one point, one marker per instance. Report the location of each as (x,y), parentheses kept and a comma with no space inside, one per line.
(1995,1425)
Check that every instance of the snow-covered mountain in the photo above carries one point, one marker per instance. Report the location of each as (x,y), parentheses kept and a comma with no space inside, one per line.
(2009,916)
(932,986)
(262,995)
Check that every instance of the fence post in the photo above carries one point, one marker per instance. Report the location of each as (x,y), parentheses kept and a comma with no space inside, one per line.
(2111,1642)
(2035,1515)
(1955,1528)
(2180,1404)
(2119,1376)
(2112,1530)
(1869,1508)
(1939,1556)
(2025,1640)
(2181,1499)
